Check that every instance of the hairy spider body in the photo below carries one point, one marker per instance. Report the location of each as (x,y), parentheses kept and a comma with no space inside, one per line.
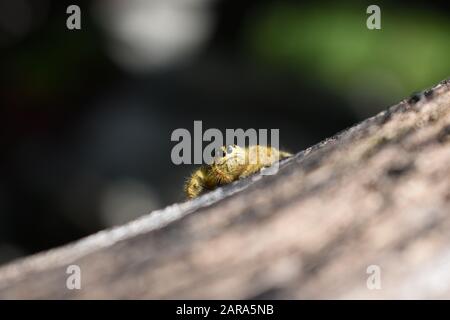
(233,164)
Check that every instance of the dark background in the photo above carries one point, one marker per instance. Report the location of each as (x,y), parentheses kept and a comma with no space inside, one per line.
(87,114)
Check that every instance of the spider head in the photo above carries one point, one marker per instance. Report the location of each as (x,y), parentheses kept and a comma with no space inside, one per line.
(230,157)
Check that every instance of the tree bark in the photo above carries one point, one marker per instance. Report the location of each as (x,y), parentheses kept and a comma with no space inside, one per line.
(371,203)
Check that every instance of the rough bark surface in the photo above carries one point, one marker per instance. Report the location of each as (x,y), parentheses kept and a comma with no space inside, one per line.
(375,194)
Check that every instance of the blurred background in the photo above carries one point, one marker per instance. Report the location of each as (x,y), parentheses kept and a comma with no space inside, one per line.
(87,114)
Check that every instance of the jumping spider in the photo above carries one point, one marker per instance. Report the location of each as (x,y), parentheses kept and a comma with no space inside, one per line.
(232,163)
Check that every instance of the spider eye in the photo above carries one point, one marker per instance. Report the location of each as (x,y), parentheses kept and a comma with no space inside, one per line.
(220,153)
(230,149)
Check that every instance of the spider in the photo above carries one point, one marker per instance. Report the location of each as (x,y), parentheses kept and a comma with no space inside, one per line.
(232,163)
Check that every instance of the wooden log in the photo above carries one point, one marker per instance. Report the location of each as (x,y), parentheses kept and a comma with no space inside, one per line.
(374,197)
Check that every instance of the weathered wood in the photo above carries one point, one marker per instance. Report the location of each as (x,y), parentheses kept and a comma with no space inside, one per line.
(376,194)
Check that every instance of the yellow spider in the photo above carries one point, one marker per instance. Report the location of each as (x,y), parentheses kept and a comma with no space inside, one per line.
(234,163)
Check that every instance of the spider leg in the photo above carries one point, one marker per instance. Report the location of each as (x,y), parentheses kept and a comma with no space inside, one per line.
(196,183)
